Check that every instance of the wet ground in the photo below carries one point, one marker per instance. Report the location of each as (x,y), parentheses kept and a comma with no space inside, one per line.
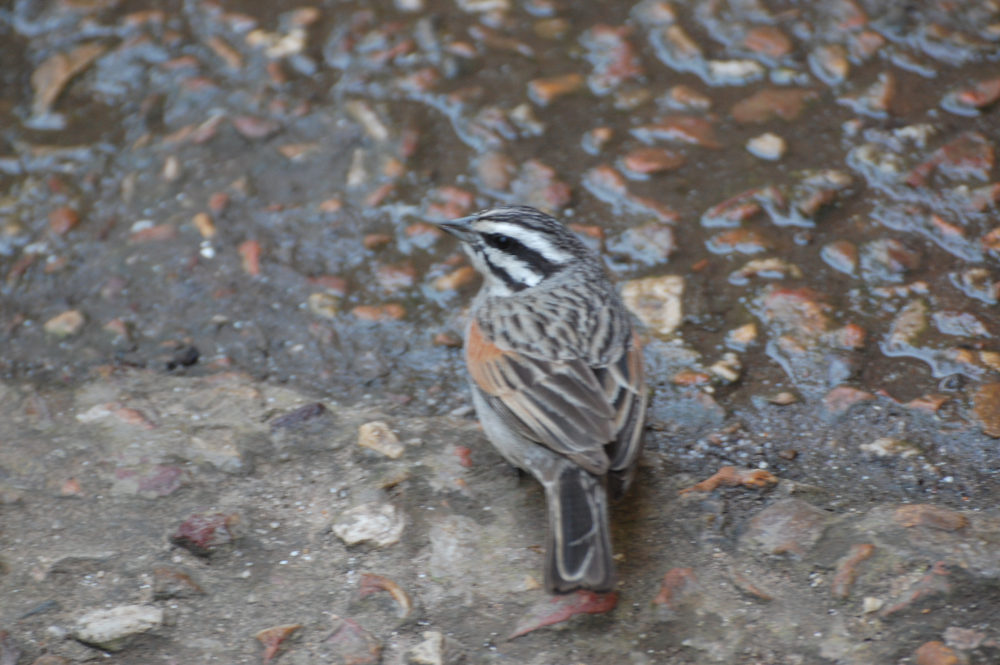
(799,199)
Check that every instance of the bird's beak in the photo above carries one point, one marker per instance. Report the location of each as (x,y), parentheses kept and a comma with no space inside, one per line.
(461,228)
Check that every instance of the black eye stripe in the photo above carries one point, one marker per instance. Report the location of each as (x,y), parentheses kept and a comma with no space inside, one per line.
(533,258)
(500,241)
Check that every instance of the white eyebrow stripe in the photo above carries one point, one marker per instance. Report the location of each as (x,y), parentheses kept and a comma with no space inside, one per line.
(527,237)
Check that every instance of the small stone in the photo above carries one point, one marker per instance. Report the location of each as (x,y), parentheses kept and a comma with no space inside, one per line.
(656,301)
(111,629)
(987,408)
(377,523)
(593,142)
(935,517)
(543,91)
(650,243)
(354,645)
(66,324)
(731,476)
(789,526)
(203,222)
(840,255)
(378,437)
(829,63)
(871,604)
(936,653)
(783,399)
(249,251)
(843,578)
(737,241)
(324,305)
(742,337)
(272,638)
(386,312)
(169,582)
(965,639)
(767,146)
(842,398)
(727,369)
(456,279)
(768,40)
(436,649)
(204,535)
(889,447)
(63,219)
(766,105)
(495,171)
(677,585)
(679,129)
(646,161)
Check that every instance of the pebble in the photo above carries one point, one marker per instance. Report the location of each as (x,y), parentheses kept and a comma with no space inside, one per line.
(987,408)
(788,526)
(380,524)
(63,219)
(889,447)
(67,324)
(544,91)
(377,436)
(936,653)
(656,301)
(324,305)
(767,146)
(112,629)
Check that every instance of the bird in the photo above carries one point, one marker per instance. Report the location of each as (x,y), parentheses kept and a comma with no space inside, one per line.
(557,378)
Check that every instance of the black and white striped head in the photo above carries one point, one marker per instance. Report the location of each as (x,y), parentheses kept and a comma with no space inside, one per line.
(516,247)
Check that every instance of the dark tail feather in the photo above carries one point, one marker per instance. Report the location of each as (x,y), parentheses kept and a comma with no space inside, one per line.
(578,552)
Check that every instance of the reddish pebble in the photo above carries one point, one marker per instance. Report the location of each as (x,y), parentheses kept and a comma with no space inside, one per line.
(217,202)
(768,40)
(676,584)
(255,128)
(62,219)
(202,535)
(543,91)
(272,638)
(250,254)
(936,653)
(385,312)
(652,160)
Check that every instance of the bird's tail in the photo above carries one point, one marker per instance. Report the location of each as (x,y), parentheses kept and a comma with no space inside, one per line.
(578,551)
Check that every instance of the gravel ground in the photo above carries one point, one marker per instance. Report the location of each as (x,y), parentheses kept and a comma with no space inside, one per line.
(233,418)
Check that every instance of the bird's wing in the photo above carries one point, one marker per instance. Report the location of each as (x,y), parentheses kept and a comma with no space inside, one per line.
(567,405)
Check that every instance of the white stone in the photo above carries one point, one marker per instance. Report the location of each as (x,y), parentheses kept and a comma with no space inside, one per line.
(767,146)
(377,436)
(430,651)
(110,629)
(378,523)
(656,301)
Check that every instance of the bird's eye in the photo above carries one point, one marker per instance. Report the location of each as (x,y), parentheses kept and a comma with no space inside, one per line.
(502,242)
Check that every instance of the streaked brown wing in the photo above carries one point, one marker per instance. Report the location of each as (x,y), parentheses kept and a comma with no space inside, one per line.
(572,408)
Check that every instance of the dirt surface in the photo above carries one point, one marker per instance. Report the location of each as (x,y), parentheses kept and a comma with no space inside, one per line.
(218,262)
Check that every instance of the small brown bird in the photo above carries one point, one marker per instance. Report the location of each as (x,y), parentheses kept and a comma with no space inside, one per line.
(557,379)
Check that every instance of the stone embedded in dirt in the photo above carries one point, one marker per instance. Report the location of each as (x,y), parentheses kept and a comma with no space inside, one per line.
(876,100)
(645,161)
(830,64)
(66,324)
(205,535)
(593,141)
(436,649)
(63,219)
(767,146)
(766,105)
(769,41)
(969,101)
(495,171)
(538,185)
(935,517)
(770,268)
(788,526)
(935,583)
(387,312)
(353,644)
(455,279)
(737,241)
(962,324)
(249,251)
(380,524)
(968,155)
(379,437)
(112,629)
(170,582)
(148,481)
(731,476)
(742,337)
(966,639)
(396,276)
(324,305)
(936,653)
(889,447)
(51,76)
(298,417)
(656,301)
(987,408)
(612,56)
(691,129)
(544,91)
(840,255)
(650,244)
(846,573)
(678,587)
(608,185)
(272,638)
